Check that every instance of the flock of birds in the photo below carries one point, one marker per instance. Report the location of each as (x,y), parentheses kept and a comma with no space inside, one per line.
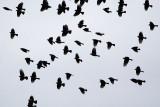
(62,8)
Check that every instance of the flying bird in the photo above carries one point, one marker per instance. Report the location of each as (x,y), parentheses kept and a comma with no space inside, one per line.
(24,50)
(110,44)
(78,10)
(138,81)
(45,6)
(86,30)
(12,33)
(53,57)
(66,50)
(82,90)
(34,77)
(28,60)
(121,3)
(22,75)
(62,7)
(94,53)
(100,1)
(138,70)
(152,26)
(126,61)
(100,34)
(147,5)
(107,10)
(135,49)
(58,40)
(95,42)
(141,37)
(120,11)
(78,42)
(50,40)
(103,83)
(20,10)
(81,24)
(66,30)
(31,101)
(6,8)
(45,63)
(68,75)
(112,79)
(59,83)
(40,65)
(77,58)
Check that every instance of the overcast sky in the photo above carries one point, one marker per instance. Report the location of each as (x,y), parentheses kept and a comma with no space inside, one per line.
(35,27)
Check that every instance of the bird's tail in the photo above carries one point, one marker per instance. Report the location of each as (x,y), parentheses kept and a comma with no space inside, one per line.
(70,51)
(48,63)
(110,11)
(151,6)
(100,41)
(35,101)
(70,31)
(82,13)
(26,78)
(156,25)
(63,84)
(138,49)
(116,79)
(142,71)
(144,81)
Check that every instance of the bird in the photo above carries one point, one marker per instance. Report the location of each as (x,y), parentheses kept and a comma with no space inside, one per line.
(66,50)
(141,37)
(112,79)
(81,24)
(59,83)
(120,11)
(78,42)
(78,10)
(135,49)
(50,40)
(86,30)
(58,40)
(45,63)
(68,75)
(126,60)
(103,83)
(100,1)
(6,8)
(12,33)
(65,30)
(138,70)
(45,6)
(94,53)
(95,42)
(100,34)
(82,90)
(62,7)
(110,44)
(22,75)
(24,50)
(77,58)
(20,10)
(40,64)
(53,57)
(121,3)
(147,5)
(138,81)
(34,77)
(31,101)
(152,26)
(107,10)
(28,60)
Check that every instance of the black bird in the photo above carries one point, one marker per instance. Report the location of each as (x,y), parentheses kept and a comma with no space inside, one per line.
(94,53)
(103,83)
(66,50)
(78,60)
(31,101)
(40,65)
(66,31)
(59,83)
(68,75)
(82,90)
(138,70)
(6,8)
(120,11)
(126,60)
(20,10)
(100,34)
(45,6)
(28,60)
(95,42)
(62,7)
(81,24)
(45,63)
(121,3)
(22,75)
(107,10)
(24,50)
(110,44)
(78,42)
(58,40)
(53,57)
(78,11)
(147,5)
(138,81)
(86,30)
(12,33)
(50,40)
(135,48)
(141,37)
(152,26)
(112,79)
(100,1)
(34,77)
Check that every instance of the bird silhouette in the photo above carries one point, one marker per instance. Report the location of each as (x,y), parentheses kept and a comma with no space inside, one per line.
(126,61)
(40,64)
(53,57)
(138,81)
(94,53)
(31,101)
(6,8)
(147,5)
(20,10)
(24,50)
(50,40)
(107,10)
(34,77)
(22,75)
(12,33)
(66,50)
(45,6)
(78,42)
(58,40)
(78,10)
(28,60)
(66,31)
(100,34)
(120,11)
(135,48)
(112,79)
(138,70)
(68,75)
(100,1)
(103,83)
(121,3)
(62,7)
(81,24)
(86,30)
(45,63)
(110,44)
(82,90)
(77,58)
(59,83)
(95,42)
(141,37)
(152,26)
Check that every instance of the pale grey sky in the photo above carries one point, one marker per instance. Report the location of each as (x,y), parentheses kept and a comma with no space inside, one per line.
(35,27)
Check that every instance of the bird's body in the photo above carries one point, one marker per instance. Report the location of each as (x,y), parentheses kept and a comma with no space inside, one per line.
(77,58)
(126,61)
(86,30)
(24,50)
(138,70)
(31,101)
(103,83)
(94,53)
(100,34)
(107,10)
(6,8)
(66,31)
(59,83)
(12,33)
(40,64)
(141,37)
(95,42)
(50,40)
(68,75)
(34,77)
(78,10)
(82,90)
(66,50)
(22,75)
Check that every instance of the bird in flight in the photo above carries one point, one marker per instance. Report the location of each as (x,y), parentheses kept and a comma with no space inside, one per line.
(20,10)
(78,42)
(24,50)
(107,10)
(82,90)
(66,50)
(135,49)
(103,83)
(68,75)
(141,37)
(31,101)
(138,70)
(126,61)
(45,6)
(152,26)
(138,81)
(58,40)
(100,1)
(95,42)
(94,53)
(66,30)
(50,40)
(112,79)
(34,77)
(62,7)
(6,8)
(147,5)
(81,24)
(28,60)
(77,58)
(12,33)
(99,33)
(53,57)
(59,83)
(78,10)
(110,44)
(22,75)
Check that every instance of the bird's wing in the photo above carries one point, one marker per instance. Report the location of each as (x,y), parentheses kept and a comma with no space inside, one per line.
(21,73)
(125,62)
(20,5)
(65,27)
(59,80)
(63,3)
(99,2)
(58,38)
(76,56)
(94,51)
(140,40)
